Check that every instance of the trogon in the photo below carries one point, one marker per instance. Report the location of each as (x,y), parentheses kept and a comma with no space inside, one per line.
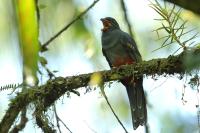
(119,48)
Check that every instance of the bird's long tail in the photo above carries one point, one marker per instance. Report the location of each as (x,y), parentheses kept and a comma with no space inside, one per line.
(137,101)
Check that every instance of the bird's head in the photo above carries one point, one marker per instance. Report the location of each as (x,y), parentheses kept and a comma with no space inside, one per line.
(109,24)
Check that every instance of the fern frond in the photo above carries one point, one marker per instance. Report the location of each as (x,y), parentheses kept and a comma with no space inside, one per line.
(10,86)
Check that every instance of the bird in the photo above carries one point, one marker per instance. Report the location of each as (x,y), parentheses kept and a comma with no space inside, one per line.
(119,48)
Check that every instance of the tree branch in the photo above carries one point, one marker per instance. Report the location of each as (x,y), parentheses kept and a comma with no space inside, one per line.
(43,122)
(123,6)
(192,5)
(58,119)
(48,93)
(44,46)
(22,123)
(111,108)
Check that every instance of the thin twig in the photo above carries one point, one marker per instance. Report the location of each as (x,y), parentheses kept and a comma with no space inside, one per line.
(44,46)
(65,125)
(59,120)
(50,73)
(159,85)
(92,130)
(22,123)
(106,98)
(123,6)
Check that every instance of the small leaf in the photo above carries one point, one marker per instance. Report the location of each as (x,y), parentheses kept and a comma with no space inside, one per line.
(55,71)
(172,10)
(43,61)
(176,18)
(166,28)
(166,40)
(159,12)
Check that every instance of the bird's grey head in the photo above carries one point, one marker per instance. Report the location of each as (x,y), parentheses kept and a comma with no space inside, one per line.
(109,24)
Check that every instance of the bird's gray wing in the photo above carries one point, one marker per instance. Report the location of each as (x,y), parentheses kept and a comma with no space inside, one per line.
(109,62)
(130,46)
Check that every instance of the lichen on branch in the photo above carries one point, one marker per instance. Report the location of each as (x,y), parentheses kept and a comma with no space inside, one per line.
(48,93)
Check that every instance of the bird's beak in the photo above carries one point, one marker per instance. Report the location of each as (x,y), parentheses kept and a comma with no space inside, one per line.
(102,19)
(106,24)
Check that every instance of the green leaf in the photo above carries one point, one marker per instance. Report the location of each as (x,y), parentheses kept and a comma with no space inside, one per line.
(172,11)
(166,28)
(28,36)
(43,61)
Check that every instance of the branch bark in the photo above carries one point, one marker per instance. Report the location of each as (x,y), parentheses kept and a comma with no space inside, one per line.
(48,93)
(192,5)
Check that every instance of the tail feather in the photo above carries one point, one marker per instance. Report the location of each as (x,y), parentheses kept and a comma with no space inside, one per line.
(137,102)
(141,104)
(138,99)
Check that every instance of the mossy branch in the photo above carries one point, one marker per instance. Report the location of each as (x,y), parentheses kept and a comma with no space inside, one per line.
(48,93)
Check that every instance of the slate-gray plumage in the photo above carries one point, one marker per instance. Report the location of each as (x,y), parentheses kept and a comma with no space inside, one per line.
(120,49)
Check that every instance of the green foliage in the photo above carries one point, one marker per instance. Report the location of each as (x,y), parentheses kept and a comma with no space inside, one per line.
(43,61)
(28,36)
(80,30)
(173,25)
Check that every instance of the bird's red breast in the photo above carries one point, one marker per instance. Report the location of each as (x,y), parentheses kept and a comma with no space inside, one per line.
(123,61)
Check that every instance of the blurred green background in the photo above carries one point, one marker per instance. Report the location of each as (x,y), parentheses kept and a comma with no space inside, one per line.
(78,50)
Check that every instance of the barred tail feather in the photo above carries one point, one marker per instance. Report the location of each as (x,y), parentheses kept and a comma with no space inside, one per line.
(137,102)
(141,103)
